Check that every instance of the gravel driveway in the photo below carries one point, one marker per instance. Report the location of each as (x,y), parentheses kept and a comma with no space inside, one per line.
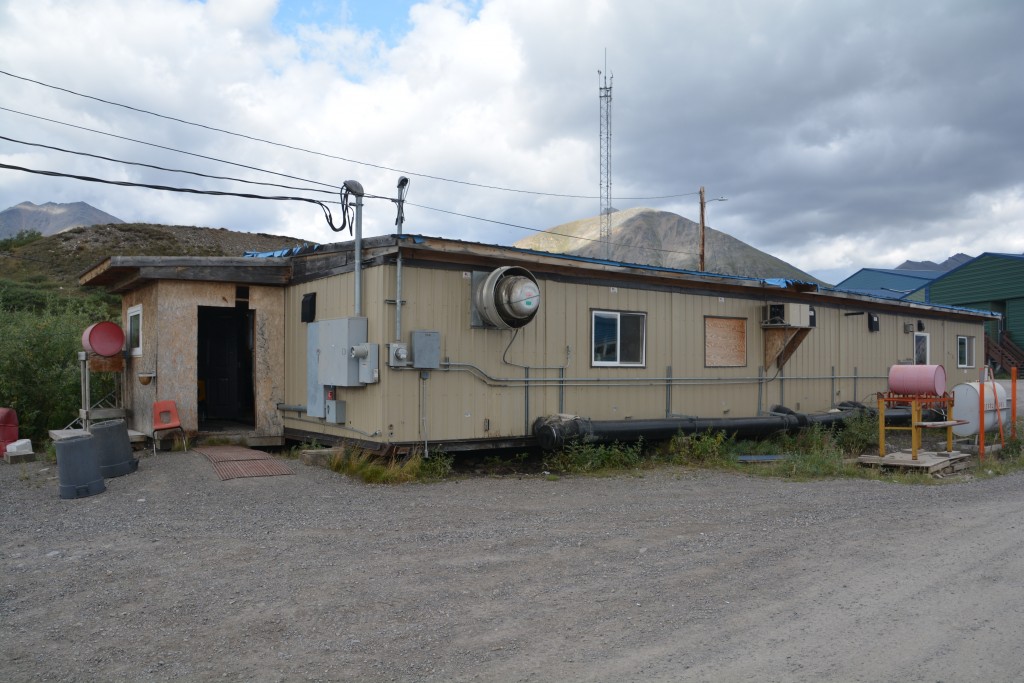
(672,575)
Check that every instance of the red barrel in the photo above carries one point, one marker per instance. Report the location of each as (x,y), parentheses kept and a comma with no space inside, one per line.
(104,339)
(917,380)
(8,428)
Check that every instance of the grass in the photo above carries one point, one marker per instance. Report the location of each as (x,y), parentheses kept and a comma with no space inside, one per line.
(375,469)
(581,458)
(816,452)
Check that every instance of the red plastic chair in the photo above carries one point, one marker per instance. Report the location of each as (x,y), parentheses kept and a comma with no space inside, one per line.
(165,417)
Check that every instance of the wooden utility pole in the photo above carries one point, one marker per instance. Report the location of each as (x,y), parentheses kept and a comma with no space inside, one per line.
(700,262)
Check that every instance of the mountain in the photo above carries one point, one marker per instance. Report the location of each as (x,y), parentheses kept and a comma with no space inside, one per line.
(660,238)
(947,265)
(51,218)
(59,259)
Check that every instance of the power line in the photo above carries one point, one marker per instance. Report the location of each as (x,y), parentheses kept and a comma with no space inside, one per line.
(321,154)
(165,147)
(167,188)
(322,204)
(161,168)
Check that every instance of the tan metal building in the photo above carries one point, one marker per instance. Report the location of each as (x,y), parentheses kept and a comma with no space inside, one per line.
(438,341)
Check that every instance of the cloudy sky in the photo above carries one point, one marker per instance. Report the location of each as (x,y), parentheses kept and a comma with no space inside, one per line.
(845,134)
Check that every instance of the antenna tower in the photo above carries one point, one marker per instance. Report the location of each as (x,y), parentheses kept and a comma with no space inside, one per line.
(604,83)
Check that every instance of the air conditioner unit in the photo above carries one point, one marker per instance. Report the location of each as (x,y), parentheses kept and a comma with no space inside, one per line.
(786,315)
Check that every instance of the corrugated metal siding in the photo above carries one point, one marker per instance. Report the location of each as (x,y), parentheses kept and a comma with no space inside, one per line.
(989,277)
(457,404)
(1015,320)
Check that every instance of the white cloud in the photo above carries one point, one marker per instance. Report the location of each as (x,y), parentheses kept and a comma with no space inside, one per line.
(843,136)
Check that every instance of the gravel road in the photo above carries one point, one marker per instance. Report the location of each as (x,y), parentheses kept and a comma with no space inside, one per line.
(672,575)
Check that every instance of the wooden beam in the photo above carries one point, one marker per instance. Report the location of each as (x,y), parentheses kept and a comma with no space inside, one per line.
(781,342)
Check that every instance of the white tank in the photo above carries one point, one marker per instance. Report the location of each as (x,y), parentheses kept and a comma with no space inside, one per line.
(1007,384)
(966,406)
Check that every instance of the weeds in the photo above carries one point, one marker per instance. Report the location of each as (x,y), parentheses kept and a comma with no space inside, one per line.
(437,465)
(710,449)
(579,457)
(295,452)
(374,469)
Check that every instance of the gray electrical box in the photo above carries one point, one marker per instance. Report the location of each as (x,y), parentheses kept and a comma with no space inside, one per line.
(334,412)
(426,349)
(398,355)
(368,356)
(336,364)
(314,390)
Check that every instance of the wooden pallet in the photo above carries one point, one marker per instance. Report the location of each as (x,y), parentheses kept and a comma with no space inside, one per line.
(926,461)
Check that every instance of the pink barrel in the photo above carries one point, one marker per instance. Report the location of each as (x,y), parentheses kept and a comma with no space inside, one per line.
(104,338)
(917,380)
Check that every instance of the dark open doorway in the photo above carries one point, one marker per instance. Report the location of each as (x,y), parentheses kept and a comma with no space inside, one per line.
(224,368)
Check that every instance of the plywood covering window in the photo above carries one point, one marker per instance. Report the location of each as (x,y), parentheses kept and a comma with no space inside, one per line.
(135,330)
(618,338)
(725,342)
(965,352)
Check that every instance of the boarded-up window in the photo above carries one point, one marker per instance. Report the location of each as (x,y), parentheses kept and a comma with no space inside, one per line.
(725,342)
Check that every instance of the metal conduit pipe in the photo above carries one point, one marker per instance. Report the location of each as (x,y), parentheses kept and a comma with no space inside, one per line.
(356,188)
(632,381)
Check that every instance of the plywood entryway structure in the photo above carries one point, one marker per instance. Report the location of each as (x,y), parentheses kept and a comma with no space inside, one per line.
(210,338)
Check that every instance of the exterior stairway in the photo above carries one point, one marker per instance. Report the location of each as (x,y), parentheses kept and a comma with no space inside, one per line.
(1002,352)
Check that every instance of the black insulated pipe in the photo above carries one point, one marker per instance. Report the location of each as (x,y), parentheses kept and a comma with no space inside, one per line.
(553,432)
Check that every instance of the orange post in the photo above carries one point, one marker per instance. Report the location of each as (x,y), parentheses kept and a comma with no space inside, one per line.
(1013,402)
(981,419)
(881,426)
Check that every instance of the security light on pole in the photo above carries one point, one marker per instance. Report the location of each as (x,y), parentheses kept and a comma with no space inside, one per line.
(703,203)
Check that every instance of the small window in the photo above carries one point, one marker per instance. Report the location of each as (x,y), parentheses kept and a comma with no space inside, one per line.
(965,352)
(618,338)
(135,330)
(921,350)
(725,342)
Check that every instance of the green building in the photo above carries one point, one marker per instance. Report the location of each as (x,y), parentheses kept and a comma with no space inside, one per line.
(993,282)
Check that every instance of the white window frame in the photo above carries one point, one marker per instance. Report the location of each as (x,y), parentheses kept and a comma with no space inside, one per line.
(135,346)
(927,347)
(617,315)
(967,342)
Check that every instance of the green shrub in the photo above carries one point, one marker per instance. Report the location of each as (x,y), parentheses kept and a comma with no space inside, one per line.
(859,435)
(22,238)
(39,368)
(585,457)
(710,448)
(436,465)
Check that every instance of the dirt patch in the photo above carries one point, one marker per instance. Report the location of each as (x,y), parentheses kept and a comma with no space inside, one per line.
(173,574)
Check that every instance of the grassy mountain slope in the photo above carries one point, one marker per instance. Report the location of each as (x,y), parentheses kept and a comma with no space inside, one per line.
(59,259)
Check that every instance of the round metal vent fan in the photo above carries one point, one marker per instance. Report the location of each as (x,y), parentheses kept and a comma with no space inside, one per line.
(509,297)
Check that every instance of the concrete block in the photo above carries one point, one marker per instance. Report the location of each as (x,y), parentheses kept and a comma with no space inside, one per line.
(20,447)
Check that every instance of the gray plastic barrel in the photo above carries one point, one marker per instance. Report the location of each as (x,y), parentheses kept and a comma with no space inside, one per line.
(113,448)
(78,468)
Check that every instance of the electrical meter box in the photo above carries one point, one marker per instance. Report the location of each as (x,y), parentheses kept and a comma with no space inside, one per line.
(368,356)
